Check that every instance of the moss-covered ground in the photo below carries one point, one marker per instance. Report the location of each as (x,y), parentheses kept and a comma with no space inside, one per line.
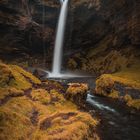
(31,110)
(129,78)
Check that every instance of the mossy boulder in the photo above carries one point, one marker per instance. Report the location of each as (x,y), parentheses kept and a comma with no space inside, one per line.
(77,92)
(116,87)
(104,85)
(15,76)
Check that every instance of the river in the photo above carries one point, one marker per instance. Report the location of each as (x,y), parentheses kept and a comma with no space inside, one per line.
(117,121)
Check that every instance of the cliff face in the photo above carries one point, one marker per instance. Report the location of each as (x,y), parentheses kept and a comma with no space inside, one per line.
(99,33)
(108,33)
(95,19)
(26,26)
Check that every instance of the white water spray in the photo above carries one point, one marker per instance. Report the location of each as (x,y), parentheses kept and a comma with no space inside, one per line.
(57,60)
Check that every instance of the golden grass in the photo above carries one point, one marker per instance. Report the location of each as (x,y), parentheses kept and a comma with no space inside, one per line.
(77,88)
(26,74)
(114,94)
(135,103)
(45,115)
(54,121)
(5,75)
(62,120)
(65,125)
(41,95)
(10,92)
(14,119)
(14,76)
(128,77)
(132,73)
(103,80)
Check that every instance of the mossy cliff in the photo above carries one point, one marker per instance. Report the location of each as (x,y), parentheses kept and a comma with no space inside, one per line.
(31,110)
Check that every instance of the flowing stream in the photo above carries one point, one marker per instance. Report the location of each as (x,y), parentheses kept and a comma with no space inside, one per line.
(118,122)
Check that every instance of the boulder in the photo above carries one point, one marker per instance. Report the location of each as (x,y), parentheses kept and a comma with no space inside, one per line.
(77,92)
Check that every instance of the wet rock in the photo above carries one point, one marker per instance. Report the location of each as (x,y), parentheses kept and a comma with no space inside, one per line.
(40,74)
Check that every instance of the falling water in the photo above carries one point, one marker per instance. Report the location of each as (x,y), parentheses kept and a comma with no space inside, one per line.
(57,60)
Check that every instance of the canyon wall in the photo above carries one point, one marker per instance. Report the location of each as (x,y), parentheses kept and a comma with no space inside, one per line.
(106,33)
(27,27)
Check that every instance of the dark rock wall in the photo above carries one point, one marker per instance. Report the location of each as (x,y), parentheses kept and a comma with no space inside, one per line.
(26,26)
(95,19)
(101,30)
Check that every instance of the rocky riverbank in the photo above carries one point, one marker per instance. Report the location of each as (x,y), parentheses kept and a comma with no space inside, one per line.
(35,110)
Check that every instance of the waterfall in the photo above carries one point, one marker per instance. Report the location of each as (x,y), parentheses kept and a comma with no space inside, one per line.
(57,59)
